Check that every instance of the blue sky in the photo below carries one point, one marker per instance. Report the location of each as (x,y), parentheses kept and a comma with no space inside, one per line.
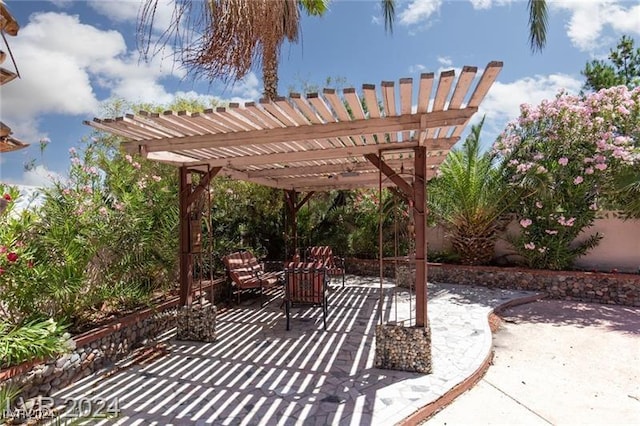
(74,55)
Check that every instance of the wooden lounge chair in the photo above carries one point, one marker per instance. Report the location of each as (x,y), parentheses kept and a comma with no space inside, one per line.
(246,273)
(324,255)
(305,284)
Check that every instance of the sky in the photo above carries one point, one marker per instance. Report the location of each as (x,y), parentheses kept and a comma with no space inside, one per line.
(73,56)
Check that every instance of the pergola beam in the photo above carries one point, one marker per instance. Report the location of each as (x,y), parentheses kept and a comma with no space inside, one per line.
(402,184)
(349,167)
(322,154)
(405,122)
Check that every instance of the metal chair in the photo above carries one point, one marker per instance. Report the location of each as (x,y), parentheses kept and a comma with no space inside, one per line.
(305,284)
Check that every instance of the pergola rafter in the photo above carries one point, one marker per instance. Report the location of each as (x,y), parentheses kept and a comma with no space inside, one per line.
(321,141)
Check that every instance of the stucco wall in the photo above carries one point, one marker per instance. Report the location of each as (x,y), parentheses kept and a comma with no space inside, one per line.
(618,250)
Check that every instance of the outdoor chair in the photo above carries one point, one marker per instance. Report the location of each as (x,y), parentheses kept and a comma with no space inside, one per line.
(334,265)
(245,273)
(305,284)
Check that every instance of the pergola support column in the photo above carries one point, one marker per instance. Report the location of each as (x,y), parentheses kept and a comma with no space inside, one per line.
(186,260)
(409,348)
(293,206)
(195,321)
(420,221)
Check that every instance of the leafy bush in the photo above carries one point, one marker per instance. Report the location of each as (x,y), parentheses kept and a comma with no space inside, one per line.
(566,153)
(33,340)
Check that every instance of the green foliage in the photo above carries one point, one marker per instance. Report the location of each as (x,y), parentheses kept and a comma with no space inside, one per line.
(246,215)
(34,340)
(623,68)
(566,153)
(469,198)
(8,393)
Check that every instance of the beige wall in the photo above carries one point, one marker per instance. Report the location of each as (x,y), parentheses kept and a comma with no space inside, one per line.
(619,248)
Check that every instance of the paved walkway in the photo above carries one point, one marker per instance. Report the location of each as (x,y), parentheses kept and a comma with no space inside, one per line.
(258,373)
(555,363)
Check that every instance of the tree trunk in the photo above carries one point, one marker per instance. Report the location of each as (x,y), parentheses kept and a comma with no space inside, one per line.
(270,71)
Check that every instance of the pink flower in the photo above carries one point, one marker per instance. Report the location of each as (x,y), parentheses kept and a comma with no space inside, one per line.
(156,178)
(530,246)
(593,206)
(588,170)
(538,204)
(525,223)
(7,197)
(563,161)
(128,158)
(542,249)
(550,232)
(12,257)
(30,264)
(601,166)
(578,180)
(136,165)
(102,211)
(3,249)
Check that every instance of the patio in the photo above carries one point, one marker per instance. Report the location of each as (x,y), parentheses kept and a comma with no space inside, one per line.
(258,373)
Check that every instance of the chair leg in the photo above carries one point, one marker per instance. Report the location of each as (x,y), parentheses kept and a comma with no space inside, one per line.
(287,310)
(343,274)
(324,315)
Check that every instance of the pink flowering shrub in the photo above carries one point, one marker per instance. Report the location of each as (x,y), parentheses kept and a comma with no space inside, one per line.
(565,154)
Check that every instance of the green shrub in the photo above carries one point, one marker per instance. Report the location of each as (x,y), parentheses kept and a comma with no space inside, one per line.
(34,340)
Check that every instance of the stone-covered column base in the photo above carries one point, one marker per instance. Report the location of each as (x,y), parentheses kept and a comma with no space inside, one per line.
(197,322)
(403,348)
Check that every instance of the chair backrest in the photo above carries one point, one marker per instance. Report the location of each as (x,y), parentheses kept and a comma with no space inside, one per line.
(321,254)
(305,282)
(242,266)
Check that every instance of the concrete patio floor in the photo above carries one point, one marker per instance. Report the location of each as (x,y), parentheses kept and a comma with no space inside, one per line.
(259,373)
(557,362)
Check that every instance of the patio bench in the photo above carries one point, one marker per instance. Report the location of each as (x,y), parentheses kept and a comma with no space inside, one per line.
(246,273)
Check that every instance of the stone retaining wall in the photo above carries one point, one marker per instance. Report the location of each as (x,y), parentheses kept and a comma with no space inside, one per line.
(595,287)
(92,353)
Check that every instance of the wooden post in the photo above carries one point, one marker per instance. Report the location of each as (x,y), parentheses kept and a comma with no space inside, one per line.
(291,197)
(186,265)
(420,222)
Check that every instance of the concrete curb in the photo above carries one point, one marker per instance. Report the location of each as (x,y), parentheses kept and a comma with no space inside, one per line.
(433,407)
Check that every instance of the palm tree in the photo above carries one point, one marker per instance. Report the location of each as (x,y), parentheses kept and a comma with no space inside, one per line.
(225,38)
(236,34)
(469,199)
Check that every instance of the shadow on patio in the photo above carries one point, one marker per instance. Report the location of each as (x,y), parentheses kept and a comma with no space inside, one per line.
(258,373)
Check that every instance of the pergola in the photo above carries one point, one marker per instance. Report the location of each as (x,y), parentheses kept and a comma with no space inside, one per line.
(317,142)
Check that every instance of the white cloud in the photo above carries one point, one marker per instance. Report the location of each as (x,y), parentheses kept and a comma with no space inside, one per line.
(129,11)
(62,3)
(61,60)
(589,19)
(249,88)
(419,11)
(487,4)
(413,69)
(445,61)
(503,101)
(39,176)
